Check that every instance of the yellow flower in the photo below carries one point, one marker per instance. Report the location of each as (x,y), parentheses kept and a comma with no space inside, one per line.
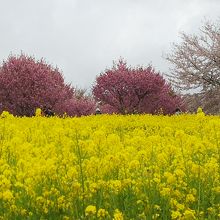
(170,178)
(189,215)
(175,215)
(13,208)
(5,114)
(40,200)
(179,134)
(102,213)
(46,210)
(38,112)
(142,216)
(216,189)
(180,206)
(134,164)
(24,212)
(7,195)
(93,187)
(90,210)
(165,191)
(115,185)
(59,163)
(118,215)
(190,198)
(200,112)
(179,173)
(211,210)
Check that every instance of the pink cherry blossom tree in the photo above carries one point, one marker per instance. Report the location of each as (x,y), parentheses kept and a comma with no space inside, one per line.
(128,90)
(26,84)
(79,106)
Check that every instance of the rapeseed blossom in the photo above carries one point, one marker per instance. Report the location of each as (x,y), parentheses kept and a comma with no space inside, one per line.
(110,167)
(90,210)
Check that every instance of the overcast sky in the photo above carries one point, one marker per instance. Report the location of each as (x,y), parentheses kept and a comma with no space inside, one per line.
(83,37)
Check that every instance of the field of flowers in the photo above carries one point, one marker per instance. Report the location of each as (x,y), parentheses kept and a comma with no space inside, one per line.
(110,167)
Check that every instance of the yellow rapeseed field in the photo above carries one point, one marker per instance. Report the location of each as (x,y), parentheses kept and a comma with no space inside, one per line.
(110,167)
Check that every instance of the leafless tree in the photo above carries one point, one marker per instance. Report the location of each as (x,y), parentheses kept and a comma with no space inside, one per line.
(196,65)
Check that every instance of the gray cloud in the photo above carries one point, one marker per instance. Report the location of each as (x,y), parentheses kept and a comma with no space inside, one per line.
(83,37)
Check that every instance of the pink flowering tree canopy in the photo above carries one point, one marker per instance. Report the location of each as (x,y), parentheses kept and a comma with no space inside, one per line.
(27,84)
(127,90)
(80,104)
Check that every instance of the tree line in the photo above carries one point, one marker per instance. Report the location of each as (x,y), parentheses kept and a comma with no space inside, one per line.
(27,84)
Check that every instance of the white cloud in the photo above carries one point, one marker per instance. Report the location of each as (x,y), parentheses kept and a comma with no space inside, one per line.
(83,37)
